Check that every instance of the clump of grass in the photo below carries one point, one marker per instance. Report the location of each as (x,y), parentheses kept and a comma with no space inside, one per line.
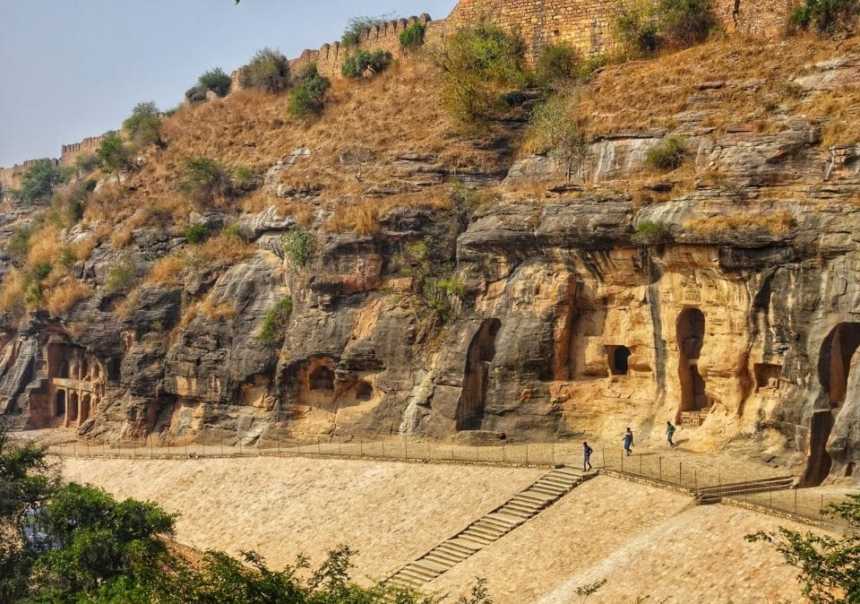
(361,219)
(652,233)
(197,233)
(204,179)
(122,275)
(667,155)
(554,129)
(275,321)
(65,296)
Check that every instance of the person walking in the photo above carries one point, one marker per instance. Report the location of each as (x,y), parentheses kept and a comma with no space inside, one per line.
(670,434)
(628,442)
(586,456)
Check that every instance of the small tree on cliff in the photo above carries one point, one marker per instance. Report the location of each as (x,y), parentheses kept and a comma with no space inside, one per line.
(113,155)
(39,181)
(829,567)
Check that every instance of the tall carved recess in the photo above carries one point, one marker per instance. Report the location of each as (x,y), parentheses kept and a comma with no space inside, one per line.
(834,365)
(482,350)
(691,337)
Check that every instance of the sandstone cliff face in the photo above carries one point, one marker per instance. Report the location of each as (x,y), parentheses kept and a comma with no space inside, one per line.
(550,311)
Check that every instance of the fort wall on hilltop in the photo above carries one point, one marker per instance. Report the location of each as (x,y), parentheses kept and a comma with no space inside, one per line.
(69,153)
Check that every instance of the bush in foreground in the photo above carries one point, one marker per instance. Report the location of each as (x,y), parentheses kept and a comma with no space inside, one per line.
(413,36)
(269,70)
(39,181)
(479,65)
(144,125)
(363,61)
(307,98)
(667,155)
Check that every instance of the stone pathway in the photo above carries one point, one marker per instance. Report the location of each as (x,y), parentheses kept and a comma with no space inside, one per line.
(488,529)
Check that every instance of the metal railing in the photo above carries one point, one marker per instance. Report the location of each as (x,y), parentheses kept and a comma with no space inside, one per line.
(690,473)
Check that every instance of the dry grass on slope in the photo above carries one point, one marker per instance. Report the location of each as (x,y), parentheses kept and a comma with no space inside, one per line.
(653,93)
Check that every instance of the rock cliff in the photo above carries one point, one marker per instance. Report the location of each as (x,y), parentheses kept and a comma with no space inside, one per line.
(489,293)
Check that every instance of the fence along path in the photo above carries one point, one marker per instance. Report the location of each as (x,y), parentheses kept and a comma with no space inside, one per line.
(491,527)
(691,472)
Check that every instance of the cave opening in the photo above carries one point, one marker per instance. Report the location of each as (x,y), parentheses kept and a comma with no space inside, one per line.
(691,337)
(363,391)
(60,403)
(73,408)
(619,359)
(321,378)
(85,408)
(834,366)
(482,351)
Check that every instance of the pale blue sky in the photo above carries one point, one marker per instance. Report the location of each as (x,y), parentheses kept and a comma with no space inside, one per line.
(75,68)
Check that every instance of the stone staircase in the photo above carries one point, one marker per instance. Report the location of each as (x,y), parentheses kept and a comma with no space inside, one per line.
(488,529)
(709,495)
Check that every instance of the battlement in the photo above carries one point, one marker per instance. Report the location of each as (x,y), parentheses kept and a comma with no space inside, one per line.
(70,152)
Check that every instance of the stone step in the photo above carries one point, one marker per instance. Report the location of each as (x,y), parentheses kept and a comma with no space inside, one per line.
(523,516)
(530,499)
(485,532)
(551,491)
(560,482)
(410,574)
(493,528)
(499,523)
(477,537)
(465,543)
(525,509)
(430,567)
(418,572)
(455,548)
(501,517)
(477,543)
(444,558)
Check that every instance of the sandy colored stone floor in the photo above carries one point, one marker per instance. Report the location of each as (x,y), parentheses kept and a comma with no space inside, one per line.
(644,541)
(390,512)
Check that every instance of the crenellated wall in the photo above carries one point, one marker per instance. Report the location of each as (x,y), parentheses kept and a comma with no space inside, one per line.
(10,178)
(87,146)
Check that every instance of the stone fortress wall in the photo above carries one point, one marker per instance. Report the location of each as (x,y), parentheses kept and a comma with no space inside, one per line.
(584,24)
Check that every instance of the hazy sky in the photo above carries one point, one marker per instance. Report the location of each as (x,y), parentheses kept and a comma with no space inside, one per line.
(75,68)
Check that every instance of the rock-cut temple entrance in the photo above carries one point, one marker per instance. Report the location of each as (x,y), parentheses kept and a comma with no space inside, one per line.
(834,367)
(482,350)
(691,337)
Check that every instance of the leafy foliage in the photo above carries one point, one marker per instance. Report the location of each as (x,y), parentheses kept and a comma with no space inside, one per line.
(413,36)
(667,155)
(827,17)
(553,129)
(217,81)
(275,321)
(479,65)
(829,567)
(308,95)
(362,61)
(269,70)
(85,163)
(557,62)
(203,179)
(356,26)
(299,246)
(39,181)
(113,155)
(645,26)
(144,125)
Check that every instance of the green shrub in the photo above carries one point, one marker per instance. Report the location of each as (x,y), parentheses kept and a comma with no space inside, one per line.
(197,233)
(667,155)
(307,98)
(440,295)
(361,61)
(18,244)
(554,129)
(299,246)
(40,180)
(480,64)
(204,179)
(121,275)
(144,125)
(85,163)
(215,80)
(557,62)
(413,36)
(827,17)
(113,155)
(644,26)
(269,70)
(195,94)
(275,321)
(686,22)
(356,26)
(652,233)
